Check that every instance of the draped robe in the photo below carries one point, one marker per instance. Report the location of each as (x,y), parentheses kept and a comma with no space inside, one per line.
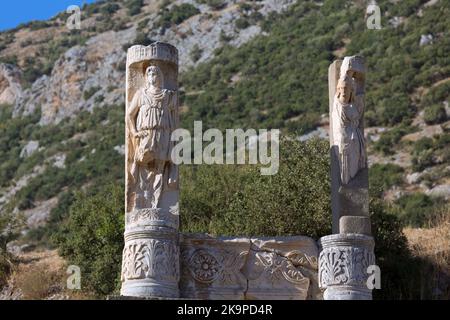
(349,138)
(152,169)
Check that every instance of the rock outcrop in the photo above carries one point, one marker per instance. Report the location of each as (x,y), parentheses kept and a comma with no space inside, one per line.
(10,87)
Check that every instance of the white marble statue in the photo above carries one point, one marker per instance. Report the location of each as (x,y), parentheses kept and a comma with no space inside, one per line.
(150,260)
(347,114)
(151,118)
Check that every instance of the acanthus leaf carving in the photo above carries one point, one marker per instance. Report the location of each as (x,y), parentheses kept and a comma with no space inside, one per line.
(150,258)
(344,266)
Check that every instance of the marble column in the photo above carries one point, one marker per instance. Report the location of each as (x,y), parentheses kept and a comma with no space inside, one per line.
(347,253)
(150,263)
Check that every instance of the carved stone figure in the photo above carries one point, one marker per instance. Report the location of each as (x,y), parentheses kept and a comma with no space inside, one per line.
(349,175)
(346,255)
(150,263)
(151,118)
(348,136)
(347,116)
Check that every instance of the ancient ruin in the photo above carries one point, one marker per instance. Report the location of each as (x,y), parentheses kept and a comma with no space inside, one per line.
(347,254)
(161,262)
(151,255)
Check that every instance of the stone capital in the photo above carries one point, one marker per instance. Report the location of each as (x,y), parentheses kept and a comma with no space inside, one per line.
(343,264)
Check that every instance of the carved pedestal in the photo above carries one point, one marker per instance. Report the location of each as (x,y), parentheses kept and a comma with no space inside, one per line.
(343,264)
(150,263)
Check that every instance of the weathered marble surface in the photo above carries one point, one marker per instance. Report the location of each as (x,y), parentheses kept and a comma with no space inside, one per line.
(248,268)
(150,263)
(349,173)
(343,264)
(349,251)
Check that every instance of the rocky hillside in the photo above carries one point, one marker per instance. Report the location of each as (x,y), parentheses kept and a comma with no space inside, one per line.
(63,72)
(243,63)
(50,73)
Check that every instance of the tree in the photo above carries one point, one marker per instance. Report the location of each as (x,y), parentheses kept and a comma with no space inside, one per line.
(92,238)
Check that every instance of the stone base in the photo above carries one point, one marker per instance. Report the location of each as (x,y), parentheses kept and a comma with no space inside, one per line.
(347,293)
(355,224)
(145,288)
(343,264)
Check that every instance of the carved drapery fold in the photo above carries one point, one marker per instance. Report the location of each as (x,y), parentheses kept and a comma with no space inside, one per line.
(150,261)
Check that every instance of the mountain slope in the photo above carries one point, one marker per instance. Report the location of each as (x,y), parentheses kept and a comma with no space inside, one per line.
(260,64)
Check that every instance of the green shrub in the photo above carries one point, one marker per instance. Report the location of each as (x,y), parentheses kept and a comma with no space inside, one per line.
(242,23)
(214,4)
(109,9)
(435,114)
(196,53)
(389,139)
(176,15)
(36,25)
(423,144)
(134,6)
(13,133)
(5,268)
(90,92)
(306,199)
(436,95)
(384,176)
(400,270)
(92,238)
(424,152)
(238,200)
(417,209)
(141,39)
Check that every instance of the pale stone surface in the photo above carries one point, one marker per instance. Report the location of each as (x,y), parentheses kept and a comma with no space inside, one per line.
(425,39)
(347,118)
(413,177)
(39,215)
(29,148)
(150,263)
(442,190)
(120,149)
(211,267)
(346,255)
(243,268)
(343,264)
(283,268)
(355,224)
(10,88)
(349,174)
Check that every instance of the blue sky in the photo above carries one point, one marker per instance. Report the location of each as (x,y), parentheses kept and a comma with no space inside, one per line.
(15,12)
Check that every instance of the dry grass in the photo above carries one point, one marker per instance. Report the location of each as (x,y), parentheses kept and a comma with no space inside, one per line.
(42,275)
(432,245)
(38,282)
